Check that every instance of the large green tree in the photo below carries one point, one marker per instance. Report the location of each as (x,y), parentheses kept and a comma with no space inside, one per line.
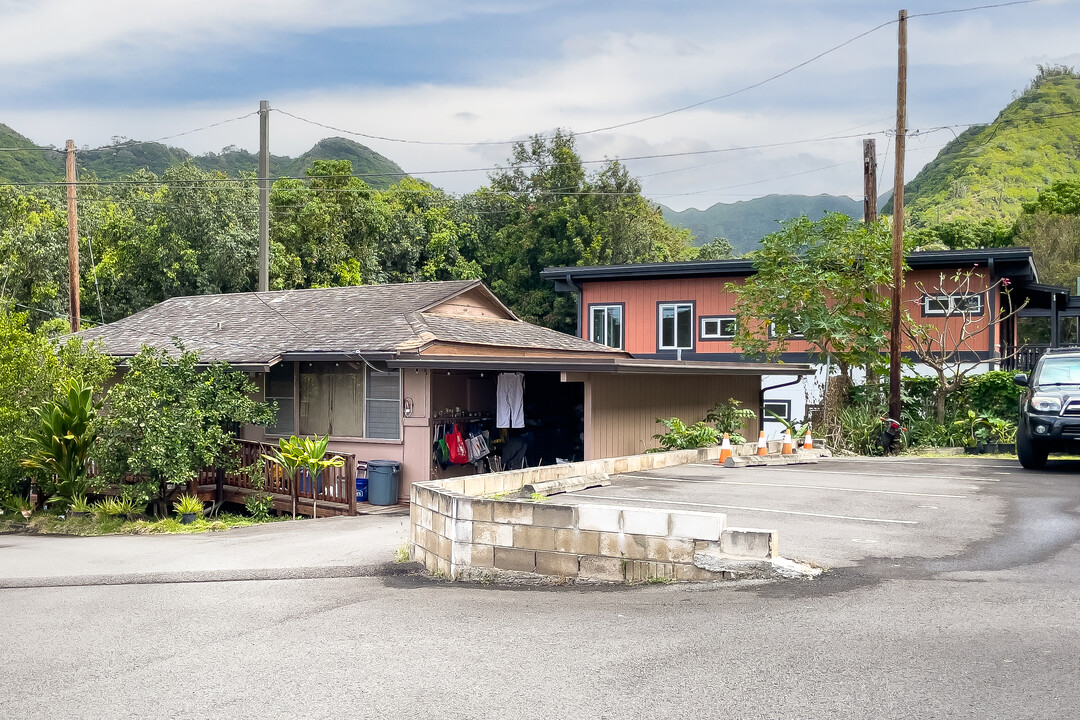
(1050,226)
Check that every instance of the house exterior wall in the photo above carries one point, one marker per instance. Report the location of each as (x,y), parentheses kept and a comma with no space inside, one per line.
(641,299)
(475,303)
(621,410)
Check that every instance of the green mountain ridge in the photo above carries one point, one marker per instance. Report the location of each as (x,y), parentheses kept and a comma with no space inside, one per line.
(111,162)
(988,171)
(745,222)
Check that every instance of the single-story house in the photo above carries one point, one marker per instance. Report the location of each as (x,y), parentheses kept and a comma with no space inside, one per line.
(386,370)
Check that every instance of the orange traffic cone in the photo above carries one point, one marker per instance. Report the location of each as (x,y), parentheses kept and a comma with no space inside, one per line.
(785,449)
(808,441)
(762,446)
(725,450)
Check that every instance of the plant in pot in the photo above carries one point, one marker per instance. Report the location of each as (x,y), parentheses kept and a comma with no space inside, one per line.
(79,508)
(974,427)
(189,507)
(1002,435)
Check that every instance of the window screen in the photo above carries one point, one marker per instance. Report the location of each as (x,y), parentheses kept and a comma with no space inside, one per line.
(384,404)
(280,390)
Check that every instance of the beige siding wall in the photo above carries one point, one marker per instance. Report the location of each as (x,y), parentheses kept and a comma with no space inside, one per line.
(621,410)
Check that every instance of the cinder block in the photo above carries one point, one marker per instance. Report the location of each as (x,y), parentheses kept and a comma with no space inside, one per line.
(417,553)
(515,559)
(446,503)
(620,465)
(622,545)
(455,485)
(442,546)
(479,509)
(425,518)
(534,538)
(493,534)
(557,564)
(696,525)
(443,567)
(637,571)
(604,518)
(580,542)
(692,573)
(431,562)
(461,530)
(555,516)
(645,522)
(474,485)
(438,524)
(461,553)
(483,556)
(633,464)
(601,568)
(679,550)
(749,543)
(508,511)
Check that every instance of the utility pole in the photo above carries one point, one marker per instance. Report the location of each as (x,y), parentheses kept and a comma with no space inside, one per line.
(896,340)
(264,195)
(869,171)
(73,237)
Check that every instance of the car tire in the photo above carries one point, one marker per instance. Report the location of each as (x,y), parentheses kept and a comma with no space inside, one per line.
(1032,454)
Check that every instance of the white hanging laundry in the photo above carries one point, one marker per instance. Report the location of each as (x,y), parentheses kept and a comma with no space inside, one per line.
(508,401)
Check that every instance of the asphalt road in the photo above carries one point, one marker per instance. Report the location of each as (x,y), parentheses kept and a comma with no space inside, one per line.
(984,631)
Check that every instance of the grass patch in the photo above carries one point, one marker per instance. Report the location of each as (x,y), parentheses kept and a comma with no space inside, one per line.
(46,523)
(401,555)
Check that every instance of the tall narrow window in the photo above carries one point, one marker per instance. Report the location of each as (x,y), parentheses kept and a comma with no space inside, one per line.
(676,326)
(384,404)
(607,325)
(280,390)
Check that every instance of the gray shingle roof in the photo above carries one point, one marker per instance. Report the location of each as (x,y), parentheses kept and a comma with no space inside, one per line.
(256,328)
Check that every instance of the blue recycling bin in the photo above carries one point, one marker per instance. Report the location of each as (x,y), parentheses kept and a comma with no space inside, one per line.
(384,477)
(361,489)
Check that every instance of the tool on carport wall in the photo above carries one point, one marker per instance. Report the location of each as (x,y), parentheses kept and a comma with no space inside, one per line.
(725,450)
(762,444)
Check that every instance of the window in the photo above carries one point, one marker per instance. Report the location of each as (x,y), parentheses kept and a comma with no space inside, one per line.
(790,336)
(343,400)
(676,326)
(718,328)
(607,325)
(280,390)
(780,407)
(958,304)
(384,404)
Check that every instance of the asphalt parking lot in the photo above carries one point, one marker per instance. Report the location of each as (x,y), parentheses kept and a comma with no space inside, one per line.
(837,512)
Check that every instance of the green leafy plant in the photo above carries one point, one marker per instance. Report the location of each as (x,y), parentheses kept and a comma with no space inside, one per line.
(681,436)
(860,429)
(401,555)
(261,503)
(797,431)
(63,441)
(307,454)
(20,504)
(729,418)
(188,505)
(1002,431)
(974,427)
(79,504)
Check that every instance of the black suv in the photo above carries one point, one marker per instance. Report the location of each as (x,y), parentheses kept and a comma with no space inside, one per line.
(1049,408)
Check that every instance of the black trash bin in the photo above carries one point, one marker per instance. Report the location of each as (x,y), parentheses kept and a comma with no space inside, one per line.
(384,477)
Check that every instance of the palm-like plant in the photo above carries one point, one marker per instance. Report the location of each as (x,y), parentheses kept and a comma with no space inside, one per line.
(63,440)
(308,454)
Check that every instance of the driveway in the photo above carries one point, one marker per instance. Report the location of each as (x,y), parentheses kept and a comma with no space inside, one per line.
(838,512)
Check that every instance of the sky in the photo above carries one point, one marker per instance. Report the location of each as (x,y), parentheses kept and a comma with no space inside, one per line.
(459,81)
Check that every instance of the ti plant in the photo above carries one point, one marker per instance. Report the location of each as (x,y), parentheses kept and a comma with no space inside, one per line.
(307,454)
(63,440)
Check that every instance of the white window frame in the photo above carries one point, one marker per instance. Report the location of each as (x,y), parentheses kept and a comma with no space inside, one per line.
(793,336)
(786,414)
(675,328)
(396,402)
(607,310)
(719,320)
(950,301)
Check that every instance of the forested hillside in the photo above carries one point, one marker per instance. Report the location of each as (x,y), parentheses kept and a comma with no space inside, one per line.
(190,231)
(990,171)
(122,158)
(744,223)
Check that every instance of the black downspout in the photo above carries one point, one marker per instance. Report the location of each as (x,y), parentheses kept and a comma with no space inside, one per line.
(577,289)
(761,397)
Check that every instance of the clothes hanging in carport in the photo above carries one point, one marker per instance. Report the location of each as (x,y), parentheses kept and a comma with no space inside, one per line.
(509,396)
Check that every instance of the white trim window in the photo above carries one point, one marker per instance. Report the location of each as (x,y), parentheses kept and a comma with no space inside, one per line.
(956,304)
(383,404)
(792,336)
(719,327)
(676,326)
(607,325)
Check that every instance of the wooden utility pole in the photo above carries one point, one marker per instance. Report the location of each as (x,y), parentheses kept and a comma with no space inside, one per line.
(896,339)
(264,195)
(869,171)
(73,238)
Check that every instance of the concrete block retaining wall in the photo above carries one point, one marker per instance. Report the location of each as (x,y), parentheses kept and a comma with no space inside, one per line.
(458,533)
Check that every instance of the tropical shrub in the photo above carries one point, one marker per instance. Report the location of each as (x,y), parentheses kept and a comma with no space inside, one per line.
(729,418)
(168,418)
(994,394)
(860,429)
(188,505)
(61,444)
(681,436)
(308,454)
(261,503)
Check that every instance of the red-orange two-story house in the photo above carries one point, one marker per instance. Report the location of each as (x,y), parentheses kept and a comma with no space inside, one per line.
(683,311)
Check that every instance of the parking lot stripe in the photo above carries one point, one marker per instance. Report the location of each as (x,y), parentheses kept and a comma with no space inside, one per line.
(749,509)
(800,471)
(815,487)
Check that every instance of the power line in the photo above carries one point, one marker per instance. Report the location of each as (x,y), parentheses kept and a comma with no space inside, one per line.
(970,9)
(128,143)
